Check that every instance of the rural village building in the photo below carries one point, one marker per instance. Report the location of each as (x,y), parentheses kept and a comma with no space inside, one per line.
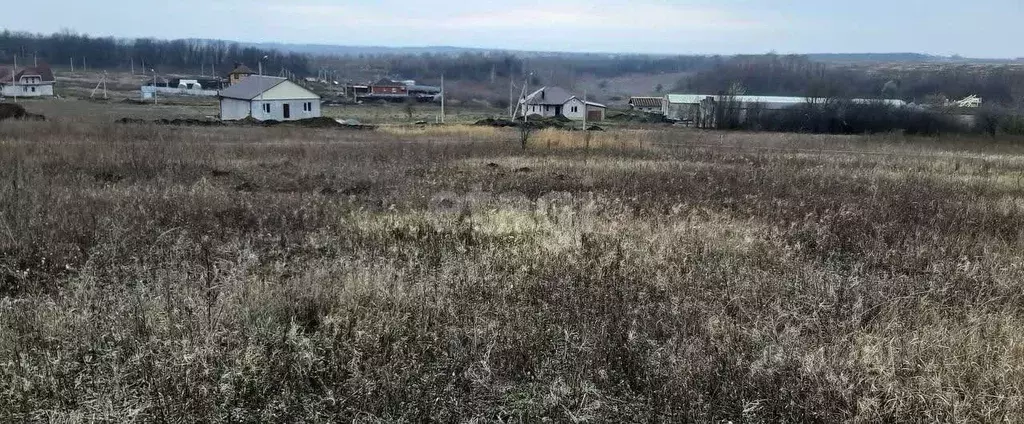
(239,73)
(33,81)
(646,104)
(391,90)
(554,101)
(268,98)
(387,88)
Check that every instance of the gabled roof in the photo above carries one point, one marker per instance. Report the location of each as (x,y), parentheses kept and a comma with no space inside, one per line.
(42,70)
(595,104)
(645,101)
(548,96)
(242,70)
(251,87)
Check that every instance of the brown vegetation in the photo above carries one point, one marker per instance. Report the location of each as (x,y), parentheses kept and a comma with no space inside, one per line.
(248,274)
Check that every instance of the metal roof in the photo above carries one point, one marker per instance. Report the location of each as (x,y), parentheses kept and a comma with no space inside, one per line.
(588,103)
(645,101)
(548,96)
(43,71)
(251,86)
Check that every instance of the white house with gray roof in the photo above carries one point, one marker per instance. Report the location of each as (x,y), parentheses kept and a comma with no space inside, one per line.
(553,101)
(268,99)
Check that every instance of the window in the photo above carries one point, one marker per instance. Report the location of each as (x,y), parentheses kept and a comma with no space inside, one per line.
(266,107)
(308,106)
(33,89)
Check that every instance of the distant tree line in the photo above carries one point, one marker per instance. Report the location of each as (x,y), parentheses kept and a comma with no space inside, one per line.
(799,76)
(489,67)
(61,48)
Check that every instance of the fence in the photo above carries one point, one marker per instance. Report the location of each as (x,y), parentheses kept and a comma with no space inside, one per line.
(148,91)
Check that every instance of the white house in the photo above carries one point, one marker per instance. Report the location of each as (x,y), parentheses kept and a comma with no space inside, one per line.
(554,101)
(574,109)
(34,81)
(268,98)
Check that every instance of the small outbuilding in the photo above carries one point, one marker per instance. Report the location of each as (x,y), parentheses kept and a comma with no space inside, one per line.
(646,104)
(239,73)
(268,98)
(575,109)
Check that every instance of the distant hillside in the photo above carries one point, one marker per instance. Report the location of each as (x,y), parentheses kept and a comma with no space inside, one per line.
(864,58)
(341,50)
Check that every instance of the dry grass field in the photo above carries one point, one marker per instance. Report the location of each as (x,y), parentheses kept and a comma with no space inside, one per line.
(178,274)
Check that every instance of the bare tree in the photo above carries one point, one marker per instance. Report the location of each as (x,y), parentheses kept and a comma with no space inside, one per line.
(525,130)
(410,107)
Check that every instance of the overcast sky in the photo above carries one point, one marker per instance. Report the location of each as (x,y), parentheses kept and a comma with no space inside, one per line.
(975,28)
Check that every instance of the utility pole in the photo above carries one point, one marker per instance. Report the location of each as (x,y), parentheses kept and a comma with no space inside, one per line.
(511,96)
(14,83)
(442,98)
(585,112)
(133,66)
(72,64)
(154,86)
(35,60)
(261,87)
(526,92)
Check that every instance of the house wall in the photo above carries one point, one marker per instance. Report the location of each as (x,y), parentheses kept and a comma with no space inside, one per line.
(388,90)
(569,112)
(648,109)
(577,114)
(234,78)
(233,109)
(35,90)
(546,111)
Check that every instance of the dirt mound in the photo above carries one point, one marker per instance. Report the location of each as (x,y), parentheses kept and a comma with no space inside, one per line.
(176,122)
(16,111)
(534,121)
(190,122)
(498,123)
(131,121)
(321,122)
(638,117)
